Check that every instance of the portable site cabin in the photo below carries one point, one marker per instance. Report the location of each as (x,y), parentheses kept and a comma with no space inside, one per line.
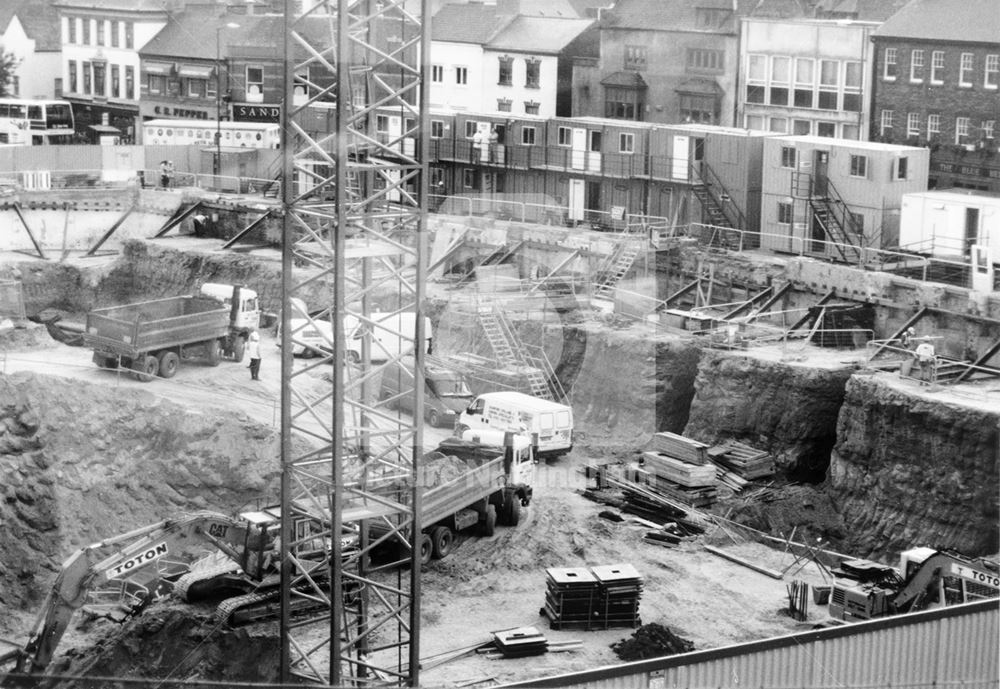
(823,196)
(726,160)
(952,224)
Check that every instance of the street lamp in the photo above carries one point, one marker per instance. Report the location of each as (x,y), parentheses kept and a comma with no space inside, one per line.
(217,163)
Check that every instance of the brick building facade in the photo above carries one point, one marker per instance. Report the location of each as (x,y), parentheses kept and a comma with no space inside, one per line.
(936,83)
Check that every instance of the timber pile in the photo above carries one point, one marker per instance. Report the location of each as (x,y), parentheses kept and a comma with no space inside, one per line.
(679,447)
(747,462)
(680,469)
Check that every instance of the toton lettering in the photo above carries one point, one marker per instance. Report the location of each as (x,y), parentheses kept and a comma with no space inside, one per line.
(136,561)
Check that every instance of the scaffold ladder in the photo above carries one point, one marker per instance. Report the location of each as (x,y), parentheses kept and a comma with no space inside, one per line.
(620,264)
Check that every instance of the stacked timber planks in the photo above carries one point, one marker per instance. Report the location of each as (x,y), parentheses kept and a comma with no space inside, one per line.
(680,468)
(679,447)
(679,471)
(747,462)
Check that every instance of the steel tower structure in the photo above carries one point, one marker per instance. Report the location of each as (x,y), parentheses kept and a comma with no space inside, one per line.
(354,244)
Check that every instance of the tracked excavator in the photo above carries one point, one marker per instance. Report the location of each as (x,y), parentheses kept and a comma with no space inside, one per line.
(926,578)
(148,563)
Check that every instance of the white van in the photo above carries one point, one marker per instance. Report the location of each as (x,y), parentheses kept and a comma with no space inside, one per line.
(514,411)
(314,336)
(310,336)
(392,334)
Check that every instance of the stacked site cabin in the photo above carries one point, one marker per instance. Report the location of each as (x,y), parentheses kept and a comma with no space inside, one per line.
(601,168)
(830,197)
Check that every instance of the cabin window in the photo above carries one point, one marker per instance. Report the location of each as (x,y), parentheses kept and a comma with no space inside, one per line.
(859,166)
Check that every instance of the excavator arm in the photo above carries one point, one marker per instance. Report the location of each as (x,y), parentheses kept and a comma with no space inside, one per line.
(133,551)
(913,594)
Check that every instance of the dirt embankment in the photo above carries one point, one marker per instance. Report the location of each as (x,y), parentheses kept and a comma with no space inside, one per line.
(910,468)
(80,463)
(786,408)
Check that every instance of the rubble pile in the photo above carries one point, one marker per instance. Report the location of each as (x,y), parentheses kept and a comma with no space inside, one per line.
(651,641)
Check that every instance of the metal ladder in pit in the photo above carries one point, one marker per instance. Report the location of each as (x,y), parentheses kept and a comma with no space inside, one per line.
(618,266)
(509,350)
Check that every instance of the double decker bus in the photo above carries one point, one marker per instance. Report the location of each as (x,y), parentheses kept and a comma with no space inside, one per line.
(35,122)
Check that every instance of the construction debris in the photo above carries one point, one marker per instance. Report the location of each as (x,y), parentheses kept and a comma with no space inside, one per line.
(651,641)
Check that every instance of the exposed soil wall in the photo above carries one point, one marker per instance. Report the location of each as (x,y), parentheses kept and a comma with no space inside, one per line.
(785,407)
(80,463)
(912,469)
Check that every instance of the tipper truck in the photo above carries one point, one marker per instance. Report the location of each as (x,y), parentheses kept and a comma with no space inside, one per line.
(482,479)
(151,338)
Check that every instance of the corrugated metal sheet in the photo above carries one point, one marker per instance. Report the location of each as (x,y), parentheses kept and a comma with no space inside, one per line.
(956,645)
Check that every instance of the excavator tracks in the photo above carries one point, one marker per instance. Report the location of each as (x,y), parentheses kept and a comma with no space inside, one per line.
(201,575)
(261,605)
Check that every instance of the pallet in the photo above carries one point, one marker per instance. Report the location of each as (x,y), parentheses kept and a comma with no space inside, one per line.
(679,447)
(743,460)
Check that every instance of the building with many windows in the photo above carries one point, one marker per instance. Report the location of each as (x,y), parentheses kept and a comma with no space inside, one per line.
(504,58)
(669,61)
(937,84)
(179,76)
(805,77)
(29,30)
(101,40)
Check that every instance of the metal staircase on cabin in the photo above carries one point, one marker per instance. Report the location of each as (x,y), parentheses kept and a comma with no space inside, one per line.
(510,351)
(619,264)
(830,212)
(718,205)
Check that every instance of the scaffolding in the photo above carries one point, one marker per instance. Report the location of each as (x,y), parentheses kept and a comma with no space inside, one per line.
(353,206)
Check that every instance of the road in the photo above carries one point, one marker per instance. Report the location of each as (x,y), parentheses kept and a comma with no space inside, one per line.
(196,385)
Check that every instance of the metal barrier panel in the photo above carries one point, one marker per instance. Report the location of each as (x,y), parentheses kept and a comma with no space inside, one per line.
(954,646)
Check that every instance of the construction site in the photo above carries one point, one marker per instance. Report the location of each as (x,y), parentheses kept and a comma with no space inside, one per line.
(342,441)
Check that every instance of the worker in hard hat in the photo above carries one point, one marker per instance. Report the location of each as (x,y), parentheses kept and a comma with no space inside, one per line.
(253,347)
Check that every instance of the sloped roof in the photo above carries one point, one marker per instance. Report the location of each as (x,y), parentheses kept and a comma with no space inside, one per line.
(861,10)
(192,34)
(124,5)
(624,79)
(538,34)
(700,86)
(468,23)
(39,20)
(682,15)
(964,21)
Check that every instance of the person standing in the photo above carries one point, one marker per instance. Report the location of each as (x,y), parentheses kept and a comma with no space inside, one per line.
(166,172)
(254,350)
(926,360)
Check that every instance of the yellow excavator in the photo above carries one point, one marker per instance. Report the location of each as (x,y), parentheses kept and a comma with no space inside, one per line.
(926,578)
(155,560)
